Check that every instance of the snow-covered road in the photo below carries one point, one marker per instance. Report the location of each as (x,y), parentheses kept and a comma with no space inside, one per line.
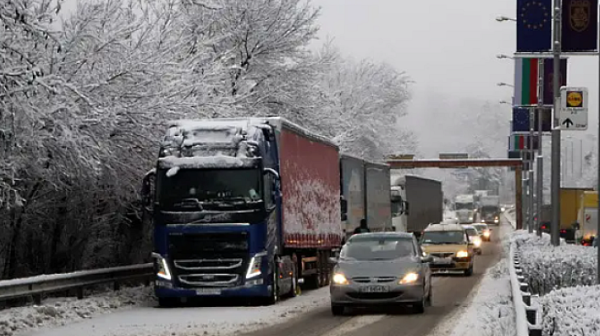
(151,321)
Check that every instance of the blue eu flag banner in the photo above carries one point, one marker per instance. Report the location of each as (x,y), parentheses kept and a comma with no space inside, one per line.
(579,25)
(520,119)
(534,25)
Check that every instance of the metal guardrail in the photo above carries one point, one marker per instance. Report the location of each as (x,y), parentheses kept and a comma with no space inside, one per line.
(526,315)
(36,286)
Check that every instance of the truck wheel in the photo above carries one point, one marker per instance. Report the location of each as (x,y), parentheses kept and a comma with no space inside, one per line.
(469,272)
(294,288)
(274,295)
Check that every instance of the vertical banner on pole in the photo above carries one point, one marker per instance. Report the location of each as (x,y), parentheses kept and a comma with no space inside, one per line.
(534,26)
(579,23)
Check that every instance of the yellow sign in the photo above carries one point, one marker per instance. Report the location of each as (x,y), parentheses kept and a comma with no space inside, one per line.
(574,99)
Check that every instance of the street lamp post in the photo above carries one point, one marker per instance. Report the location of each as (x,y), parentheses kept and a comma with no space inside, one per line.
(502,56)
(505,84)
(555,173)
(505,18)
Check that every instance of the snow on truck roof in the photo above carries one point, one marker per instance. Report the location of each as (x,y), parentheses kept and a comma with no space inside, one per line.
(401,179)
(220,124)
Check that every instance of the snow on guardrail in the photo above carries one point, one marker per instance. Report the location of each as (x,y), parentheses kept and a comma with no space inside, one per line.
(526,314)
(43,284)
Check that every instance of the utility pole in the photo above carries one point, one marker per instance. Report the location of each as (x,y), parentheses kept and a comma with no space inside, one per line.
(555,184)
(598,175)
(540,156)
(530,183)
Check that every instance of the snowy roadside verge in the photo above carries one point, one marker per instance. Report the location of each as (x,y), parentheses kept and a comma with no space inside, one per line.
(548,267)
(58,312)
(489,310)
(565,278)
(190,321)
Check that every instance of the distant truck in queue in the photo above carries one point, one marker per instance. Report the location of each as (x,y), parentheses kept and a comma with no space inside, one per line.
(416,203)
(243,208)
(465,208)
(365,189)
(489,209)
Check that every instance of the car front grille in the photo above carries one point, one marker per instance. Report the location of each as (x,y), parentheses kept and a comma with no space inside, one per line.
(376,279)
(442,255)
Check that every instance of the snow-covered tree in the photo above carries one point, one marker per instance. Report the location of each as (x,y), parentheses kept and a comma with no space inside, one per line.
(83,104)
(364,102)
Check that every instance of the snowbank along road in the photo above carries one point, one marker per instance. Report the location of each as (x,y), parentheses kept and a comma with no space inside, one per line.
(307,315)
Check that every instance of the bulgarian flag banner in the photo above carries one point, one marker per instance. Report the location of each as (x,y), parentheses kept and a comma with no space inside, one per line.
(519,142)
(526,81)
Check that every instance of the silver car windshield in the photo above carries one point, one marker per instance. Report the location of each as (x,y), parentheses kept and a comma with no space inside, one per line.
(480,227)
(377,248)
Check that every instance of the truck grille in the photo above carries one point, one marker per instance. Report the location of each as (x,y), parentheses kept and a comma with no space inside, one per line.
(209,259)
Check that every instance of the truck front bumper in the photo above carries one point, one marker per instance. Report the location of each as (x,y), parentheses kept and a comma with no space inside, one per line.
(256,288)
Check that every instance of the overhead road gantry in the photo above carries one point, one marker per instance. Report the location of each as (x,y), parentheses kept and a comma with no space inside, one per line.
(517,164)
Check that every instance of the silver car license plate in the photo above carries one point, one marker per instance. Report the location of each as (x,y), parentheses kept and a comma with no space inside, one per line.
(442,261)
(374,289)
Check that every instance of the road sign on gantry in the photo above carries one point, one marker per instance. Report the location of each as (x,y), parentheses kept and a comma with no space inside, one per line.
(573,113)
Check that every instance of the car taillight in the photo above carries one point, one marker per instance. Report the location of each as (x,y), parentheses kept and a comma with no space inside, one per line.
(543,227)
(563,231)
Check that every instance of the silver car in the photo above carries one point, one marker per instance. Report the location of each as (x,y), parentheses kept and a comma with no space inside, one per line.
(381,269)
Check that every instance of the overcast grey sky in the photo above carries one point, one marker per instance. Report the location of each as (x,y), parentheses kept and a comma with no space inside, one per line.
(447,47)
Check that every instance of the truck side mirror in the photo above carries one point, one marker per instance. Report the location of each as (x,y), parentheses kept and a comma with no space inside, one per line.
(406,208)
(147,191)
(272,172)
(343,205)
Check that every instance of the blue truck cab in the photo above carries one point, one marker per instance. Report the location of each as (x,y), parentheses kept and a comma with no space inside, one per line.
(215,202)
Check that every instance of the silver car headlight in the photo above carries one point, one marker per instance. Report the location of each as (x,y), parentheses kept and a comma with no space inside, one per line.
(339,279)
(409,278)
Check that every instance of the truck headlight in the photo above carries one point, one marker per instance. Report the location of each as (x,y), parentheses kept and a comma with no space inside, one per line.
(409,278)
(462,254)
(486,234)
(254,267)
(477,242)
(340,279)
(470,218)
(163,270)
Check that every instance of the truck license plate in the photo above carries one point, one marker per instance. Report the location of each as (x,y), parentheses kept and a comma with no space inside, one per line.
(208,291)
(374,289)
(442,261)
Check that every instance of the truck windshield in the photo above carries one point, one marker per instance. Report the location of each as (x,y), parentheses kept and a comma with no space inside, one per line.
(444,237)
(490,209)
(190,189)
(464,206)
